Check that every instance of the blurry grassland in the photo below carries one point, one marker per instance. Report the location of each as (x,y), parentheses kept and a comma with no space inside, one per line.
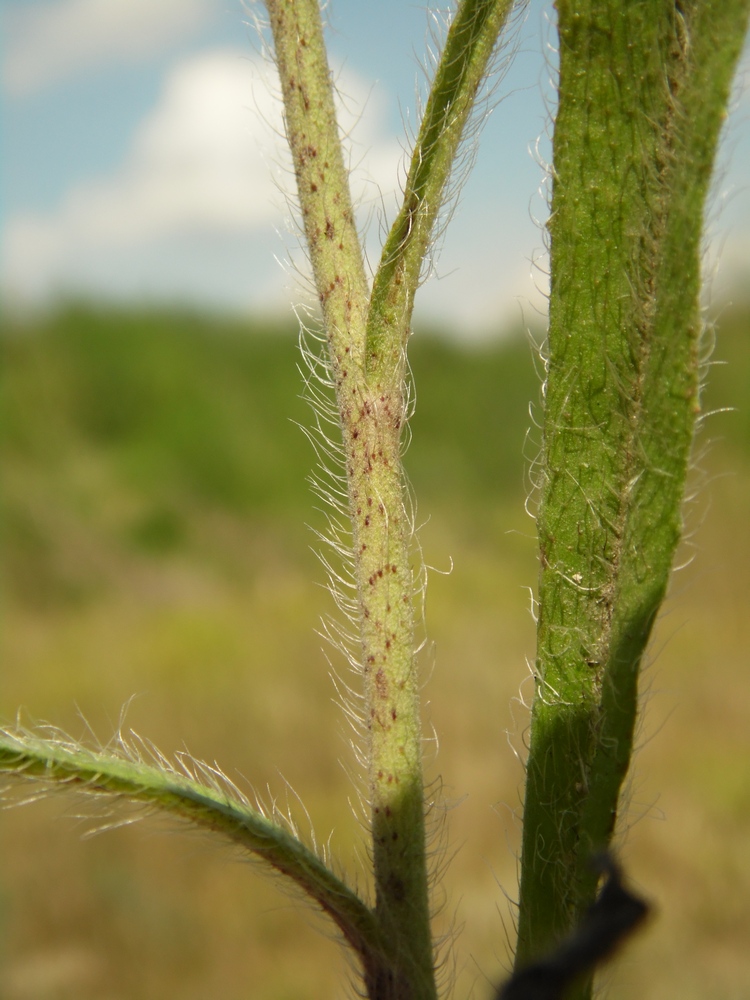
(155,545)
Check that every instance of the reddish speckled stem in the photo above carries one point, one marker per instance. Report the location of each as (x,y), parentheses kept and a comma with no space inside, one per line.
(371,413)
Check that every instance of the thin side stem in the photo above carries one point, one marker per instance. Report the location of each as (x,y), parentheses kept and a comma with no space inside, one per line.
(471,41)
(203,797)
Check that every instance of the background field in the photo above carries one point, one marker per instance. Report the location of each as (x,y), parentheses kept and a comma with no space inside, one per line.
(156,548)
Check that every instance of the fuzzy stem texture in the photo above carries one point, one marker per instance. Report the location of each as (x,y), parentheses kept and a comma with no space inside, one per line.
(371,419)
(322,179)
(469,46)
(367,364)
(642,96)
(200,795)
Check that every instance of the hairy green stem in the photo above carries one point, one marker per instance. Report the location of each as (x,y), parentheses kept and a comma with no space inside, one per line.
(382,527)
(371,419)
(366,341)
(322,179)
(208,804)
(642,95)
(371,402)
(471,40)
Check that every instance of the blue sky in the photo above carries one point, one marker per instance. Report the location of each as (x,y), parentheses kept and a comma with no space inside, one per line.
(141,162)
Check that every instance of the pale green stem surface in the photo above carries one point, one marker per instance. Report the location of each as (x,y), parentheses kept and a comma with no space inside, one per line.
(643,91)
(322,178)
(371,403)
(371,419)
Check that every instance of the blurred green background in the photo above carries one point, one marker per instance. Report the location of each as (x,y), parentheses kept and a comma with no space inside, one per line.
(156,549)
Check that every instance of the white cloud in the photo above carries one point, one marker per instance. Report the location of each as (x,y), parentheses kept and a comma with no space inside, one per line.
(192,213)
(205,165)
(51,41)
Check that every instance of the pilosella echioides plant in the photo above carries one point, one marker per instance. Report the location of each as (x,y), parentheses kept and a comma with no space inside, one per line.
(642,92)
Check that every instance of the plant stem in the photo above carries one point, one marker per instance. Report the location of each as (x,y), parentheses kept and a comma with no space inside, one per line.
(642,95)
(471,40)
(382,527)
(200,795)
(371,400)
(322,179)
(371,419)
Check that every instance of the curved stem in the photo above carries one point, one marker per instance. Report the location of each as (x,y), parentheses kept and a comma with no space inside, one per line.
(213,803)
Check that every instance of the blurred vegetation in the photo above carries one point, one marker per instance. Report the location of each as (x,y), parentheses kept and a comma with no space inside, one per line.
(139,422)
(154,539)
